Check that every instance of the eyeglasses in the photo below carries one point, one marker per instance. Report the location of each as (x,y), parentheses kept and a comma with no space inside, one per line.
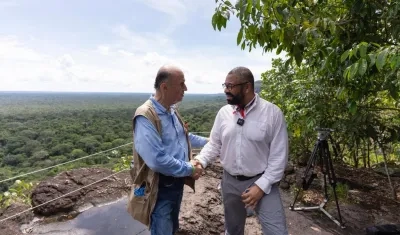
(229,86)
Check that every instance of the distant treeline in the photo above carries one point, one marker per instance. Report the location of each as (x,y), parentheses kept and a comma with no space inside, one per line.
(38,130)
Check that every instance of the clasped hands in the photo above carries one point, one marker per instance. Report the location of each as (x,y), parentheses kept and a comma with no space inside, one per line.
(198,169)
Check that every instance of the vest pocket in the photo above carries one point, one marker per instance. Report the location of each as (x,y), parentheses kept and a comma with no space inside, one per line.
(139,205)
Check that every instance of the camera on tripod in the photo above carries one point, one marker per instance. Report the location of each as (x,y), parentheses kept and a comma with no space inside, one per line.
(320,156)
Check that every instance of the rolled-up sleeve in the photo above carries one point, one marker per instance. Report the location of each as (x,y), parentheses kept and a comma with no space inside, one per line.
(148,145)
(278,155)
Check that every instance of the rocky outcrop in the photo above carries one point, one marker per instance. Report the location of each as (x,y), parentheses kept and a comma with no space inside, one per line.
(12,225)
(69,182)
(288,178)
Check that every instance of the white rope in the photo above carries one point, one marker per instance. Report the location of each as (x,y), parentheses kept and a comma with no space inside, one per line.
(47,168)
(64,163)
(204,132)
(76,190)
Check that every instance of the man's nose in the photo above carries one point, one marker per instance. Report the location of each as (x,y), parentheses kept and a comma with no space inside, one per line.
(185,88)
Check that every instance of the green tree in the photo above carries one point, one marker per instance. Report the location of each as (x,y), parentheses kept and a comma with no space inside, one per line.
(352,44)
(77,153)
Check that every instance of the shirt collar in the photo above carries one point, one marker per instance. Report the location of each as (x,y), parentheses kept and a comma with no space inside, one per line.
(159,107)
(249,105)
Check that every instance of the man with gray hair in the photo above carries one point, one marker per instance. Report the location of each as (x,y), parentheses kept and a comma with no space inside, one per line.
(162,155)
(250,136)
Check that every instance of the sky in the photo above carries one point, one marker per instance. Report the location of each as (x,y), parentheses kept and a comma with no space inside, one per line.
(117,46)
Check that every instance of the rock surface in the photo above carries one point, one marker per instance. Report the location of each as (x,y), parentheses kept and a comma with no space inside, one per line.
(202,212)
(67,182)
(11,226)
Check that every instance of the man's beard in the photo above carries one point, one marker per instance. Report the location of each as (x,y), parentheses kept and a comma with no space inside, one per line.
(235,99)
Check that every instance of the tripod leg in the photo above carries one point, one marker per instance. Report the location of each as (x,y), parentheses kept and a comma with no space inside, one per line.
(308,178)
(332,180)
(310,167)
(324,169)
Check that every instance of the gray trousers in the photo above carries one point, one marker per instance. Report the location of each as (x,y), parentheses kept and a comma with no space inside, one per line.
(269,209)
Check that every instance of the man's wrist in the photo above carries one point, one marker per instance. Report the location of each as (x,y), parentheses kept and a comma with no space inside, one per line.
(193,169)
(190,169)
(202,163)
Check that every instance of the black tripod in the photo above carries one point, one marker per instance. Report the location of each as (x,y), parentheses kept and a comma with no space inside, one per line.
(321,152)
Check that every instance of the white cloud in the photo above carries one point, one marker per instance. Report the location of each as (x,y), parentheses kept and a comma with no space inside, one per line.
(8,3)
(174,8)
(179,11)
(10,48)
(142,42)
(128,64)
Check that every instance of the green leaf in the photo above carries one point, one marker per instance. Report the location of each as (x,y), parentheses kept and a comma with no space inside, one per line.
(278,51)
(346,73)
(249,6)
(239,36)
(372,58)
(220,19)
(288,36)
(297,55)
(214,20)
(381,59)
(228,3)
(394,93)
(344,56)
(394,62)
(363,49)
(362,67)
(352,107)
(353,70)
(332,27)
(258,4)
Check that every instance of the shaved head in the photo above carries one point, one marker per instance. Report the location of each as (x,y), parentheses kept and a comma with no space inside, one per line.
(164,73)
(244,74)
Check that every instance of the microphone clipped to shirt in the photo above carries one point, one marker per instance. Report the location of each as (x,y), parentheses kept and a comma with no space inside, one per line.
(240,120)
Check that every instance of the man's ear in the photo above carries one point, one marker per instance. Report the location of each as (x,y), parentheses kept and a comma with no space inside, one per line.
(163,86)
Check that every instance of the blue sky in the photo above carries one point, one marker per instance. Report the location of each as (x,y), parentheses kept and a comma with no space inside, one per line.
(116,46)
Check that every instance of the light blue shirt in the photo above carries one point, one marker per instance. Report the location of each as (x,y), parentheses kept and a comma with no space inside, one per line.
(167,154)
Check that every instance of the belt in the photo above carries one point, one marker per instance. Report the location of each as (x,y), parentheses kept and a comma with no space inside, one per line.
(244,178)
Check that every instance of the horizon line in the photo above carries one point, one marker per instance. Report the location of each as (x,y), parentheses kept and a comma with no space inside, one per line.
(126,92)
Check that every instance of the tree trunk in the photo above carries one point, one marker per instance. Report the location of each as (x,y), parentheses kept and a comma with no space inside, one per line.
(364,155)
(368,150)
(376,153)
(354,152)
(387,172)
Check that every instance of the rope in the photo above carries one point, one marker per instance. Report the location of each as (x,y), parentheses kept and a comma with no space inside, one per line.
(47,168)
(64,163)
(76,190)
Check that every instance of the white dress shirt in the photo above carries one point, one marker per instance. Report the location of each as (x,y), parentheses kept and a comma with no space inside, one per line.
(259,145)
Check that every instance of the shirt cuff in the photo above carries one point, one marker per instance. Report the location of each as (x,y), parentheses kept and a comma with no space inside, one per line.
(264,184)
(202,161)
(189,168)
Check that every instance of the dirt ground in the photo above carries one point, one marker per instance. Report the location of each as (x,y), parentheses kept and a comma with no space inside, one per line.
(367,202)
(202,212)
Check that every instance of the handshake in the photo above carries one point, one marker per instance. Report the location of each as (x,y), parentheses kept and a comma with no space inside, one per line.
(197,169)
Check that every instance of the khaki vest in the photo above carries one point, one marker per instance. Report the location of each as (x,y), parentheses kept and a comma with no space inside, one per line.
(141,208)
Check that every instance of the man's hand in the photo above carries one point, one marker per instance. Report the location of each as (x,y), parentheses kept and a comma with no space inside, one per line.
(198,169)
(251,196)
